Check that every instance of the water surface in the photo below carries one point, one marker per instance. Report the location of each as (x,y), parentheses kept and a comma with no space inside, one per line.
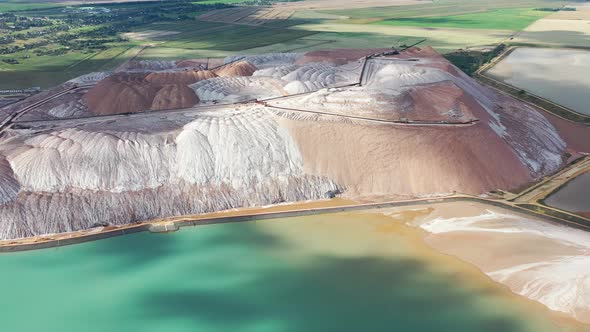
(574,196)
(560,75)
(342,272)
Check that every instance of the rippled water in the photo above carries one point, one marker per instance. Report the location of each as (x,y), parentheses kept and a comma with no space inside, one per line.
(342,272)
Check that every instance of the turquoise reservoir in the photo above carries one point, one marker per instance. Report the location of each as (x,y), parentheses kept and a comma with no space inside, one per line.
(343,272)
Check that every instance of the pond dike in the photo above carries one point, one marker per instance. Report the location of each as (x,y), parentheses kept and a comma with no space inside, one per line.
(173,224)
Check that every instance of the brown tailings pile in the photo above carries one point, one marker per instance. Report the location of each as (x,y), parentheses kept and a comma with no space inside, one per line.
(442,101)
(511,144)
(422,52)
(186,77)
(576,135)
(121,93)
(174,96)
(239,68)
(136,92)
(379,160)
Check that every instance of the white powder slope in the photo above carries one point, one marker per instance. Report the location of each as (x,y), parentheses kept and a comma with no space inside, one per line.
(267,60)
(9,186)
(235,89)
(559,280)
(71,179)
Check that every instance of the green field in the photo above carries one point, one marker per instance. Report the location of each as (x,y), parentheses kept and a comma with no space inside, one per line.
(500,19)
(48,71)
(221,36)
(373,35)
(168,53)
(12,5)
(437,8)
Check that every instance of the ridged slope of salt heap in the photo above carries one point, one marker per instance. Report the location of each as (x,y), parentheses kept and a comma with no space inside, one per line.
(69,105)
(90,78)
(267,60)
(322,74)
(297,87)
(276,72)
(221,160)
(235,89)
(69,109)
(9,186)
(148,65)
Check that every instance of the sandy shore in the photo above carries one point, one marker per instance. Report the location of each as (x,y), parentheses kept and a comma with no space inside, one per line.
(542,261)
(393,233)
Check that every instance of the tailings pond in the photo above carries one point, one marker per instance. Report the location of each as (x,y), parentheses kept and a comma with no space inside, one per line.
(560,75)
(340,272)
(574,196)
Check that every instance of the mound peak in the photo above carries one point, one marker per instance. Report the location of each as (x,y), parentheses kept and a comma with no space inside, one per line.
(184,77)
(120,93)
(238,68)
(125,92)
(174,96)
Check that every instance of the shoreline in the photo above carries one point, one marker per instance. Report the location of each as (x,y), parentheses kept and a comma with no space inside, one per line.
(368,254)
(540,261)
(171,224)
(547,105)
(396,214)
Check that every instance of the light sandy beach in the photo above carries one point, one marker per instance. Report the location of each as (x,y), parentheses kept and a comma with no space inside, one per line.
(397,233)
(542,261)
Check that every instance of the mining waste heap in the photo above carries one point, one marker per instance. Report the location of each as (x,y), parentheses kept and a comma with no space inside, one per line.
(147,142)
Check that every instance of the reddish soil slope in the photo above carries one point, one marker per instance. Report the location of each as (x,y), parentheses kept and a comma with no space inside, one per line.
(174,96)
(121,93)
(136,92)
(240,68)
(186,77)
